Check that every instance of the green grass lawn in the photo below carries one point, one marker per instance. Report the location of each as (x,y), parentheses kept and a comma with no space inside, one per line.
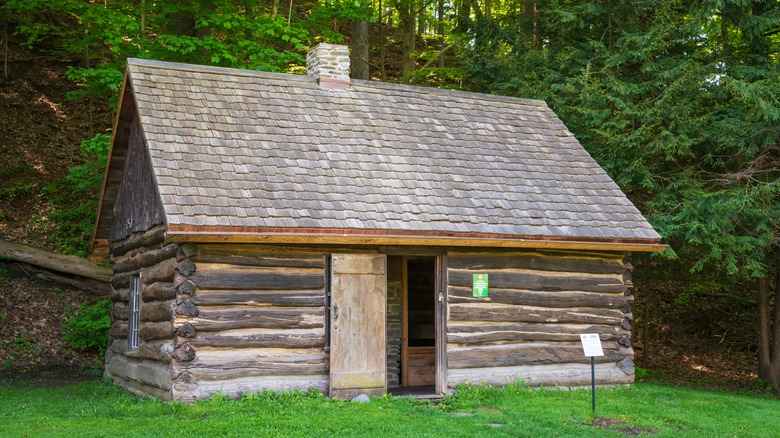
(101,409)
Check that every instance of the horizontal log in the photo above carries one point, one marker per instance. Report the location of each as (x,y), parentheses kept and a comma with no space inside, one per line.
(221,276)
(268,369)
(120,295)
(254,255)
(156,311)
(509,313)
(150,312)
(140,389)
(120,280)
(219,319)
(158,291)
(235,388)
(161,272)
(482,333)
(120,311)
(563,375)
(526,354)
(259,338)
(458,294)
(118,329)
(538,261)
(538,281)
(146,259)
(159,351)
(298,298)
(152,236)
(228,358)
(145,372)
(151,331)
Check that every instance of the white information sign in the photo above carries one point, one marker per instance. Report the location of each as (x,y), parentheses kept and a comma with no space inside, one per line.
(591,344)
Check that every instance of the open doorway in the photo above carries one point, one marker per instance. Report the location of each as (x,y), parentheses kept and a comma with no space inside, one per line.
(412,335)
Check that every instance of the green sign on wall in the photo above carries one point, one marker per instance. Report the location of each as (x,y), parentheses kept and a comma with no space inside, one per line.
(480,285)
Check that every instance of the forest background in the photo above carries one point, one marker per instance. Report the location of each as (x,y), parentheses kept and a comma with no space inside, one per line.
(678,100)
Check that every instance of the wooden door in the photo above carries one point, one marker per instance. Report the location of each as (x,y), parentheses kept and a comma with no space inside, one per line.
(358,355)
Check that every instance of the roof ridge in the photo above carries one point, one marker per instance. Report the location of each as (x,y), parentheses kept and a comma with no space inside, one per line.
(197,68)
(446,91)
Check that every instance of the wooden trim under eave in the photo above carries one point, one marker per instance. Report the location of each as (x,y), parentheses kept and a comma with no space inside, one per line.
(95,242)
(390,240)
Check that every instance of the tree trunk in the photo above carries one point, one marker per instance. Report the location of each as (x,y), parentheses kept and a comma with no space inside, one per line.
(440,16)
(764,334)
(359,54)
(774,366)
(408,19)
(5,49)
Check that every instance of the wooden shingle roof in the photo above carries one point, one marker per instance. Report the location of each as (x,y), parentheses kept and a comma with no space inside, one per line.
(238,152)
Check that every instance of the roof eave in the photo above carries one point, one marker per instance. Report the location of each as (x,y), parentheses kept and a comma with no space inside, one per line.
(183,234)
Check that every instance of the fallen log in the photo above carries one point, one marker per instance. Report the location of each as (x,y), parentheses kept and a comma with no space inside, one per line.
(54,262)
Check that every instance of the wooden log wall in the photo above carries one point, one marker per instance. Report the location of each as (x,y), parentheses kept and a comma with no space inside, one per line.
(248,318)
(146,369)
(529,326)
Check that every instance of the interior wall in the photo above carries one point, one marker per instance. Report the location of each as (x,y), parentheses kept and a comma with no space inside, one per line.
(394,298)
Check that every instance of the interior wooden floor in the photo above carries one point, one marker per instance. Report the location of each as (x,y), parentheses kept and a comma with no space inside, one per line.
(427,392)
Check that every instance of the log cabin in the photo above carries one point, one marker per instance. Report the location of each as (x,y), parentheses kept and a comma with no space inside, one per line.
(276,232)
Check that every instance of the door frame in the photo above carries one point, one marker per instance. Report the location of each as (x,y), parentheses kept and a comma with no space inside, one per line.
(440,320)
(441,323)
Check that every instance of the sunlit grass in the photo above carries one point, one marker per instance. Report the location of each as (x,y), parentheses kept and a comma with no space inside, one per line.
(101,409)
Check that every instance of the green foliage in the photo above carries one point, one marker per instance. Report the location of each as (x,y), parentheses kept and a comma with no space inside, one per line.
(682,115)
(86,327)
(24,351)
(97,82)
(17,190)
(74,199)
(89,176)
(15,168)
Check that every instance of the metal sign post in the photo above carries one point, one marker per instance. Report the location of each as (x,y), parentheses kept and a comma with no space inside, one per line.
(591,345)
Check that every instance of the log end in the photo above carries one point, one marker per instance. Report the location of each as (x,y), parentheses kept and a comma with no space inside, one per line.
(187,287)
(627,366)
(186,331)
(184,353)
(185,267)
(187,308)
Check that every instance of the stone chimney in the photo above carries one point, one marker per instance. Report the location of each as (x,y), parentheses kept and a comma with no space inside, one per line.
(329,64)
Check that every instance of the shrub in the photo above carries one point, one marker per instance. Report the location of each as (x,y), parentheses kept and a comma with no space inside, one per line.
(86,327)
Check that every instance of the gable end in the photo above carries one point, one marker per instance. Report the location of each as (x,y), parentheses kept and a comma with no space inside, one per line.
(137,206)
